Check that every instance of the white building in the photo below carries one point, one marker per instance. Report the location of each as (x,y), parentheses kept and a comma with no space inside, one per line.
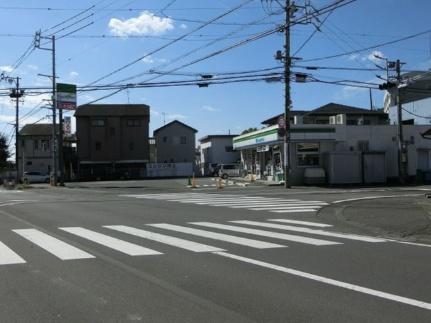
(344,153)
(415,93)
(216,149)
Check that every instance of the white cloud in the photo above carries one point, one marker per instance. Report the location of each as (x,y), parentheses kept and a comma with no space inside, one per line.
(6,68)
(33,67)
(176,116)
(209,108)
(73,74)
(154,112)
(148,60)
(350,92)
(372,56)
(146,24)
(183,26)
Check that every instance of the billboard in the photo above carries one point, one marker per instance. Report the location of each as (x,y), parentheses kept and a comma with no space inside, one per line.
(67,125)
(66,96)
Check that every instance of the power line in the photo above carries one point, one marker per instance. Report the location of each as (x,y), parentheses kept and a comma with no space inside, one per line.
(173,41)
(369,47)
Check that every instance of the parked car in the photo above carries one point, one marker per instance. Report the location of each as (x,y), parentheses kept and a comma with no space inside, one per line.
(213,169)
(229,170)
(35,177)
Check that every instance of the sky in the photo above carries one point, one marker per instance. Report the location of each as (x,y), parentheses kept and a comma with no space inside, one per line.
(115,33)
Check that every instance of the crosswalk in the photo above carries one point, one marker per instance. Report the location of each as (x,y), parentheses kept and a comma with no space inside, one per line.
(265,234)
(253,203)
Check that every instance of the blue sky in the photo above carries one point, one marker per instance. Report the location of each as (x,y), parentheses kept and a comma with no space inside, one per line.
(216,109)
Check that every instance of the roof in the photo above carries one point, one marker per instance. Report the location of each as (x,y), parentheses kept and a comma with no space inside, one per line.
(112,110)
(172,123)
(329,110)
(273,120)
(209,137)
(39,129)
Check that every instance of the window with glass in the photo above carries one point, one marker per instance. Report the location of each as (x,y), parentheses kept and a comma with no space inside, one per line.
(133,122)
(98,146)
(183,140)
(308,154)
(98,123)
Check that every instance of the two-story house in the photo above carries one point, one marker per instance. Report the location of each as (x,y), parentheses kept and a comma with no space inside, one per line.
(175,143)
(216,149)
(35,148)
(112,140)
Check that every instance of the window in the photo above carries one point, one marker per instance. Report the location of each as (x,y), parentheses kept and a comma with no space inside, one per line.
(131,146)
(183,140)
(367,122)
(133,122)
(98,123)
(228,149)
(98,146)
(165,139)
(44,144)
(351,122)
(36,144)
(112,131)
(29,163)
(307,154)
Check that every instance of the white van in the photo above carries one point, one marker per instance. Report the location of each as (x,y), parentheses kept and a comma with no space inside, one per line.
(229,170)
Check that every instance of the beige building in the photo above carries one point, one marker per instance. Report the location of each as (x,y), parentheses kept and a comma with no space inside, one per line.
(112,140)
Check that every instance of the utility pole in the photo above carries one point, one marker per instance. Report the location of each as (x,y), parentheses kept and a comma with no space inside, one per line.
(16,94)
(56,140)
(402,156)
(287,100)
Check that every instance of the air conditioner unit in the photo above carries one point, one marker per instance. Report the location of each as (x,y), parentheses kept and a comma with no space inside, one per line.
(340,119)
(332,120)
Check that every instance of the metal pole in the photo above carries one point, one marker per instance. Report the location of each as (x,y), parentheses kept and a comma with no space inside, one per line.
(17,96)
(287,101)
(401,151)
(54,116)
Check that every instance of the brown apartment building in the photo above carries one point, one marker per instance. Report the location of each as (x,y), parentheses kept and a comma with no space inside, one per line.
(112,140)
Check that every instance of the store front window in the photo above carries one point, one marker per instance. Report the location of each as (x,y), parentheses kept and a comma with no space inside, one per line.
(307,154)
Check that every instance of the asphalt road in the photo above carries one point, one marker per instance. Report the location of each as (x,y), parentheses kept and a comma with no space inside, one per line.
(156,251)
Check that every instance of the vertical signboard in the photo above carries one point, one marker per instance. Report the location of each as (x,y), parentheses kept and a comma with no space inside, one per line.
(66,96)
(67,125)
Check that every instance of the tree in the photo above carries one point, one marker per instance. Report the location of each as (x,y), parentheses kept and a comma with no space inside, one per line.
(4,151)
(248,130)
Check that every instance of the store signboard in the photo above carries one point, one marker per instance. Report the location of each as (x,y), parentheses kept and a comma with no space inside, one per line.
(260,138)
(66,96)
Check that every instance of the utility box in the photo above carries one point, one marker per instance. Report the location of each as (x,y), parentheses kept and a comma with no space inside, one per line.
(374,167)
(343,167)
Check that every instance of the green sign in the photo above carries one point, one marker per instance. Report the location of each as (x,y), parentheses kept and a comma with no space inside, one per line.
(66,96)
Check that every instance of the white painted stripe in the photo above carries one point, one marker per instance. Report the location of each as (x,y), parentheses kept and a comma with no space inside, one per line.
(311,224)
(8,256)
(218,236)
(53,245)
(330,281)
(128,248)
(249,203)
(373,198)
(284,208)
(268,234)
(411,243)
(294,211)
(172,241)
(285,204)
(311,231)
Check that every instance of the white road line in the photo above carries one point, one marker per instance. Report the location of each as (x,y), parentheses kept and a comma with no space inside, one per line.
(268,234)
(285,204)
(311,231)
(54,246)
(172,241)
(250,203)
(330,281)
(411,243)
(284,208)
(128,248)
(312,224)
(218,236)
(374,197)
(293,211)
(8,256)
